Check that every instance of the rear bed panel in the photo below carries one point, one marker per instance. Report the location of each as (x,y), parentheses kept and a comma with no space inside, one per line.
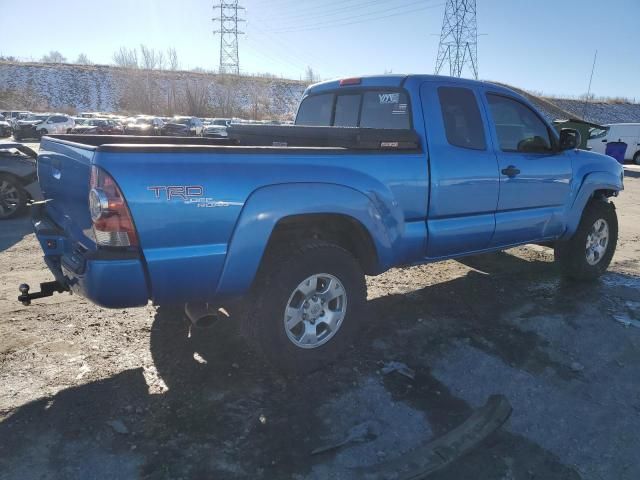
(63,173)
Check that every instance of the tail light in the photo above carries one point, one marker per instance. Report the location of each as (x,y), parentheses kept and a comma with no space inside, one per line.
(112,223)
(350,81)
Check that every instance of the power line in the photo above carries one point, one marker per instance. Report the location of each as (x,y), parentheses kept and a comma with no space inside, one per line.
(307,9)
(331,12)
(341,23)
(228,30)
(286,47)
(459,38)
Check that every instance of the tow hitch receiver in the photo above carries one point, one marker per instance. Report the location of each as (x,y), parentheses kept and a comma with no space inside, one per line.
(47,289)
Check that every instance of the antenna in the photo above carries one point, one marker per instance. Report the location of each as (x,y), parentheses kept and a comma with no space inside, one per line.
(459,38)
(228,30)
(586,100)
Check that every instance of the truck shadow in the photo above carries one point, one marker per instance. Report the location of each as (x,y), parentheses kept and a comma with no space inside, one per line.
(227,415)
(14,230)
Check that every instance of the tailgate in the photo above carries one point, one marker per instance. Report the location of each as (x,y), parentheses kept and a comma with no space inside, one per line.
(64,172)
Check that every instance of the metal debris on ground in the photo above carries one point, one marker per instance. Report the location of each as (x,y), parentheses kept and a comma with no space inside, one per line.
(399,367)
(626,321)
(360,433)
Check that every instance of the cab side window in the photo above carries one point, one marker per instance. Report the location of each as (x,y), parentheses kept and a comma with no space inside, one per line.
(518,128)
(461,116)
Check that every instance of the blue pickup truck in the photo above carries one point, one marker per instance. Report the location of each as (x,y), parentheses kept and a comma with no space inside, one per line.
(379,172)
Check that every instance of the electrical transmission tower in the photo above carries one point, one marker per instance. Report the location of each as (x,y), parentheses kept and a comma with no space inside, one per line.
(228,29)
(459,38)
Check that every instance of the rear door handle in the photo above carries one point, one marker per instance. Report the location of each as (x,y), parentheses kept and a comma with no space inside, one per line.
(511,171)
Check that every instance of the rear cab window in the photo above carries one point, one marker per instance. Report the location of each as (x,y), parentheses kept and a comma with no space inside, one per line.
(316,110)
(373,108)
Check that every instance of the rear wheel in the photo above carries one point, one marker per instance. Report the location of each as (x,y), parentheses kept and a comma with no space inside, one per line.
(13,198)
(307,306)
(588,253)
(636,158)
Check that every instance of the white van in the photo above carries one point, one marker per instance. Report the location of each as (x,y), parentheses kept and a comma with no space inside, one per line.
(628,133)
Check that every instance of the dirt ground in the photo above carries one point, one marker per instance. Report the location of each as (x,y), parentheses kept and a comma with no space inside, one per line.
(94,393)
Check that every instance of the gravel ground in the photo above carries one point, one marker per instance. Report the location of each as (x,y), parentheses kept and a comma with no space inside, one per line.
(94,393)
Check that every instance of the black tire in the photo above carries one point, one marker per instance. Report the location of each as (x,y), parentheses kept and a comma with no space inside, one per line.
(42,133)
(636,158)
(17,137)
(281,273)
(13,198)
(571,255)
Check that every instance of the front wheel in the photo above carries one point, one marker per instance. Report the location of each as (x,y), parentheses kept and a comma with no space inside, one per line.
(307,306)
(636,158)
(588,253)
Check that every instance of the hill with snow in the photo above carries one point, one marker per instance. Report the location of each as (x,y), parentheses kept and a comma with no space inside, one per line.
(66,87)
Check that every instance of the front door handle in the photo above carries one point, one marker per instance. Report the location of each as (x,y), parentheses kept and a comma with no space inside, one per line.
(511,171)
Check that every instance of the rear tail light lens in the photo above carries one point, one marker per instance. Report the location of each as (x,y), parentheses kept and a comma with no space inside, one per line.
(112,223)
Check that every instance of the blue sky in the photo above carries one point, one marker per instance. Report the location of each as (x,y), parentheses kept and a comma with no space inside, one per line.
(540,45)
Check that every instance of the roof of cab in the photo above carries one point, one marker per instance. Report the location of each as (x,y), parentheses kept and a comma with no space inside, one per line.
(396,81)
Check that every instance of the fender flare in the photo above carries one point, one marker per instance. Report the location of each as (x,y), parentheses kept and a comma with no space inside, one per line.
(268,205)
(592,182)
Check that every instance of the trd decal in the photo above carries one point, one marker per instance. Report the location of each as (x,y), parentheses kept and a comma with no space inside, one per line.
(189,195)
(175,191)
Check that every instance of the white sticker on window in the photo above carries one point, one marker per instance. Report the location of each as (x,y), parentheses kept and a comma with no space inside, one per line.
(386,98)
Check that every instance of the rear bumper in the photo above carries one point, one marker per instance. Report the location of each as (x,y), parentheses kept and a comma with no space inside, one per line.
(104,278)
(33,189)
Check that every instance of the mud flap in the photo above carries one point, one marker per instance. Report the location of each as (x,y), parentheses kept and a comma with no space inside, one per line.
(437,454)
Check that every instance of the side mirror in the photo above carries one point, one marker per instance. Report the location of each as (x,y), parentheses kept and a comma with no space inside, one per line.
(570,139)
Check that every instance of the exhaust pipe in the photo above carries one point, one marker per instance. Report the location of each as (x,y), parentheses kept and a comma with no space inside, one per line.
(203,315)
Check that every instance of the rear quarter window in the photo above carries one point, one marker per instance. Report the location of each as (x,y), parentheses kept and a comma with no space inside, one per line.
(461,116)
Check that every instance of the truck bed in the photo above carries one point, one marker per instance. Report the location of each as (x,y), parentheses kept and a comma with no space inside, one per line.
(273,136)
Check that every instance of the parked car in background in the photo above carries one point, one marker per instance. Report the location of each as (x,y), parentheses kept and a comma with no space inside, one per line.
(98,126)
(221,121)
(144,126)
(18,179)
(628,133)
(183,127)
(5,128)
(215,131)
(12,116)
(35,126)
